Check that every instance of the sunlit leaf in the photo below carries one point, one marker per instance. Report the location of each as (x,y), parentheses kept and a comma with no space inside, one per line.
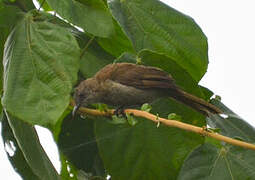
(153,25)
(92,16)
(40,68)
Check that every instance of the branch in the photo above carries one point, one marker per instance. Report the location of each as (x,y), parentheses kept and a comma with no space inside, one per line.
(173,123)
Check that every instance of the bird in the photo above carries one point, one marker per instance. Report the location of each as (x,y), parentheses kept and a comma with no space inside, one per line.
(127,84)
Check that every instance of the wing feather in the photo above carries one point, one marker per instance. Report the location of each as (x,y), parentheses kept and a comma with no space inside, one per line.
(138,76)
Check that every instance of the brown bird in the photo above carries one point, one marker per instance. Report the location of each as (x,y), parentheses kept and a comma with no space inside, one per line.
(126,84)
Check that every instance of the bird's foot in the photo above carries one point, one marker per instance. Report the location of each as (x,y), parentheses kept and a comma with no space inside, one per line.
(120,112)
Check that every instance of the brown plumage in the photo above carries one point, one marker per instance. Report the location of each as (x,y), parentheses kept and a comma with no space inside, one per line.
(126,84)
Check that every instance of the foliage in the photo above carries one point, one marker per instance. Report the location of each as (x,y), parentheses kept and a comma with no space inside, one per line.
(44,58)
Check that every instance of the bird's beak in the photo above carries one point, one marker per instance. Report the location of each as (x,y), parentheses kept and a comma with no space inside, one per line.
(75,109)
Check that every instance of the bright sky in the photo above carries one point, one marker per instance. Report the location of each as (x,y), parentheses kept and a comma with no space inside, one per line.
(229,26)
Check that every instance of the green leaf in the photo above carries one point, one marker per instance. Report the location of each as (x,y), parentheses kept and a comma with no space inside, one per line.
(45,5)
(146,107)
(232,125)
(32,150)
(143,151)
(77,143)
(173,116)
(117,43)
(153,25)
(92,16)
(14,14)
(94,57)
(40,68)
(208,162)
(23,5)
(126,57)
(207,93)
(17,159)
(131,119)
(68,171)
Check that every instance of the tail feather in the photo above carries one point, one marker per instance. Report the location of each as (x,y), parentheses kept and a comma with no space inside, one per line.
(196,103)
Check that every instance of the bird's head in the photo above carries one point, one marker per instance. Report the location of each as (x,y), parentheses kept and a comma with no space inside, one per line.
(85,93)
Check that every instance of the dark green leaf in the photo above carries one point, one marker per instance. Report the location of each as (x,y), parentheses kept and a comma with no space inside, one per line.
(17,159)
(153,25)
(77,143)
(232,125)
(12,12)
(94,57)
(23,5)
(206,92)
(92,16)
(117,43)
(126,57)
(143,151)
(33,152)
(208,162)
(26,5)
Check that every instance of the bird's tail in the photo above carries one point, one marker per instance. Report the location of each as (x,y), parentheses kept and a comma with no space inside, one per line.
(196,103)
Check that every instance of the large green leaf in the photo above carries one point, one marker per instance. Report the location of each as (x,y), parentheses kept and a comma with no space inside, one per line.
(32,150)
(231,125)
(6,25)
(77,143)
(117,43)
(219,161)
(208,162)
(92,16)
(17,159)
(143,151)
(94,57)
(40,67)
(153,25)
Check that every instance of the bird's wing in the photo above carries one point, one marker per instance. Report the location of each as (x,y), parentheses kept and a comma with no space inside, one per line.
(138,76)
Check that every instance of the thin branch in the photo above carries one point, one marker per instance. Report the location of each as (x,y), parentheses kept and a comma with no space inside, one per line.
(173,123)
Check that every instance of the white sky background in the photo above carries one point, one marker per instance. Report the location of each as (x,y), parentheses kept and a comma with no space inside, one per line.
(230,28)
